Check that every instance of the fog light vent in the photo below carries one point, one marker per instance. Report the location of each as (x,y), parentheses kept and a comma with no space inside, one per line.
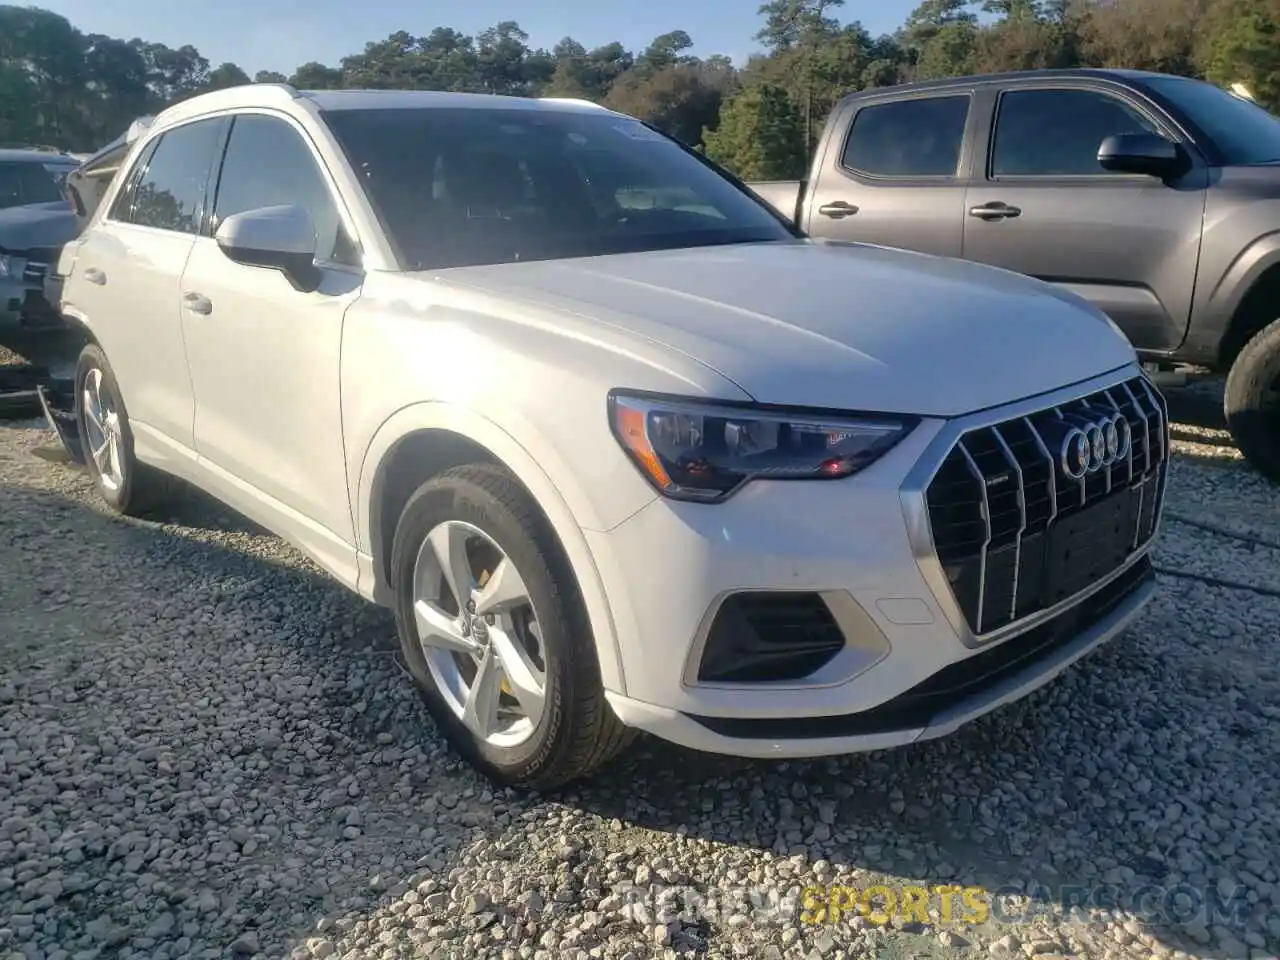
(764,637)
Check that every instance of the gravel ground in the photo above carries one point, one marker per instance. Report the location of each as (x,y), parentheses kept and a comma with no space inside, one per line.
(207,749)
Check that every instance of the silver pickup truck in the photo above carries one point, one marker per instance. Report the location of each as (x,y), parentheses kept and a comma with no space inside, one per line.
(1155,197)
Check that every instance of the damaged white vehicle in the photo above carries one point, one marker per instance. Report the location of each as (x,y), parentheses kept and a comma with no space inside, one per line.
(620,448)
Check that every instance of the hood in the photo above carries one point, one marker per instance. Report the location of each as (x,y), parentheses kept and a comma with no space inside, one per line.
(39,226)
(1260,181)
(842,326)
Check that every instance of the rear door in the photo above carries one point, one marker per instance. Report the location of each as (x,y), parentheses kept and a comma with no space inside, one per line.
(1041,204)
(896,177)
(125,279)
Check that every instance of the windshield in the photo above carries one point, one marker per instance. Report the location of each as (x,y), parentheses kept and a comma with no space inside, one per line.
(462,187)
(23,183)
(1242,132)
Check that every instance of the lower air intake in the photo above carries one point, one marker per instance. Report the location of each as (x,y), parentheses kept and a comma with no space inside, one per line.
(762,637)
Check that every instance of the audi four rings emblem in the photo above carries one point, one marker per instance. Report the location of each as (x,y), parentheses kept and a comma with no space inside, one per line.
(1088,447)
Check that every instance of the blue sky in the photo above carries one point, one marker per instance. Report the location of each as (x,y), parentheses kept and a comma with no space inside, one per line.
(280,34)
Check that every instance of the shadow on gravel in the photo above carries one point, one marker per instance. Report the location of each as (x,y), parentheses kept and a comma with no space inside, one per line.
(1196,408)
(344,778)
(1032,831)
(192,508)
(254,760)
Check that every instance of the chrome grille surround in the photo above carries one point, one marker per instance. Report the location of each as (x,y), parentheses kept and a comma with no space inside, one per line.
(1144,470)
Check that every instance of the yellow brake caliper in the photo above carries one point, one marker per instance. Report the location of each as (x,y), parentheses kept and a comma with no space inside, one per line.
(503,686)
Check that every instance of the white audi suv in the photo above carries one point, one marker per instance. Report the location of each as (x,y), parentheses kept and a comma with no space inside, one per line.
(620,448)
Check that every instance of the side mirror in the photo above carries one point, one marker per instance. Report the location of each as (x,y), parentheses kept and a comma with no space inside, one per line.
(278,238)
(1146,153)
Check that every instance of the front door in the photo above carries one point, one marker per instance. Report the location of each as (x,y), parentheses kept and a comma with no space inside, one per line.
(265,356)
(1045,207)
(896,179)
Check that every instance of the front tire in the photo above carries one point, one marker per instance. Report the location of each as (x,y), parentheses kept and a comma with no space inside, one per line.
(1252,401)
(494,632)
(128,486)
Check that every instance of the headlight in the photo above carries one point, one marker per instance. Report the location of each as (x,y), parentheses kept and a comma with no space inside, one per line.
(696,450)
(6,267)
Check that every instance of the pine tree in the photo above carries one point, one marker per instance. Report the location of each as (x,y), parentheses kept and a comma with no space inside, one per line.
(760,136)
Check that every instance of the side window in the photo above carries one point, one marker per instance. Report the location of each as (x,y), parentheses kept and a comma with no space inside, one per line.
(1048,133)
(268,164)
(26,183)
(170,193)
(10,185)
(122,207)
(920,137)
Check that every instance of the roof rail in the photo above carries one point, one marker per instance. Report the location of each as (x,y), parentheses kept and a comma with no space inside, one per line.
(242,95)
(288,88)
(575,100)
(32,147)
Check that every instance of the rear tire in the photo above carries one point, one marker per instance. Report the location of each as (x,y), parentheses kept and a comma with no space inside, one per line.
(128,486)
(1252,401)
(546,722)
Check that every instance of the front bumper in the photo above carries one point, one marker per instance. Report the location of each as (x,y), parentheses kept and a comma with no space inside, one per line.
(909,666)
(12,294)
(29,298)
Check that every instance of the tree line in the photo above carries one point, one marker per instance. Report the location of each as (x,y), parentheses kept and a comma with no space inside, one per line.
(62,87)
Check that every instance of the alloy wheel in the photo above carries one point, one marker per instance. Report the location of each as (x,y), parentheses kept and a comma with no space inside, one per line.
(479,633)
(103,429)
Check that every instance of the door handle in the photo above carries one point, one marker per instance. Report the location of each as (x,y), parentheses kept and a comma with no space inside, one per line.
(837,210)
(95,276)
(197,303)
(995,210)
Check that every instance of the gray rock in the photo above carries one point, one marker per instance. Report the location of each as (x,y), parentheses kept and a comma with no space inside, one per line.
(184,750)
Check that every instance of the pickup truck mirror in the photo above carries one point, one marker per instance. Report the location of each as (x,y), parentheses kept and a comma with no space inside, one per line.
(1147,153)
(279,238)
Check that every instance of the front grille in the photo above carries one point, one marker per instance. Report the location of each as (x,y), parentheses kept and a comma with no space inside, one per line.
(1015,534)
(760,637)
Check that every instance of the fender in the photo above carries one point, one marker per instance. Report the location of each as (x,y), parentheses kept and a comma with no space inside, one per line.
(1252,262)
(552,496)
(1229,291)
(75,314)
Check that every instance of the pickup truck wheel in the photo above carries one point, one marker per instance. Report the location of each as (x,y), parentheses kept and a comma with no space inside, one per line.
(1252,403)
(128,486)
(495,634)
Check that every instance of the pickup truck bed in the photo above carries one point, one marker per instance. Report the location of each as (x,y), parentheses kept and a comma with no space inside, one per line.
(783,195)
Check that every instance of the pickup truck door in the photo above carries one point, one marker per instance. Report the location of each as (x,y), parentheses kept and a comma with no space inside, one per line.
(1042,205)
(264,356)
(891,172)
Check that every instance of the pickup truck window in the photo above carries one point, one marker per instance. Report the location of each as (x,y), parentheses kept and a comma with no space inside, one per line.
(920,137)
(1243,132)
(457,187)
(1056,133)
